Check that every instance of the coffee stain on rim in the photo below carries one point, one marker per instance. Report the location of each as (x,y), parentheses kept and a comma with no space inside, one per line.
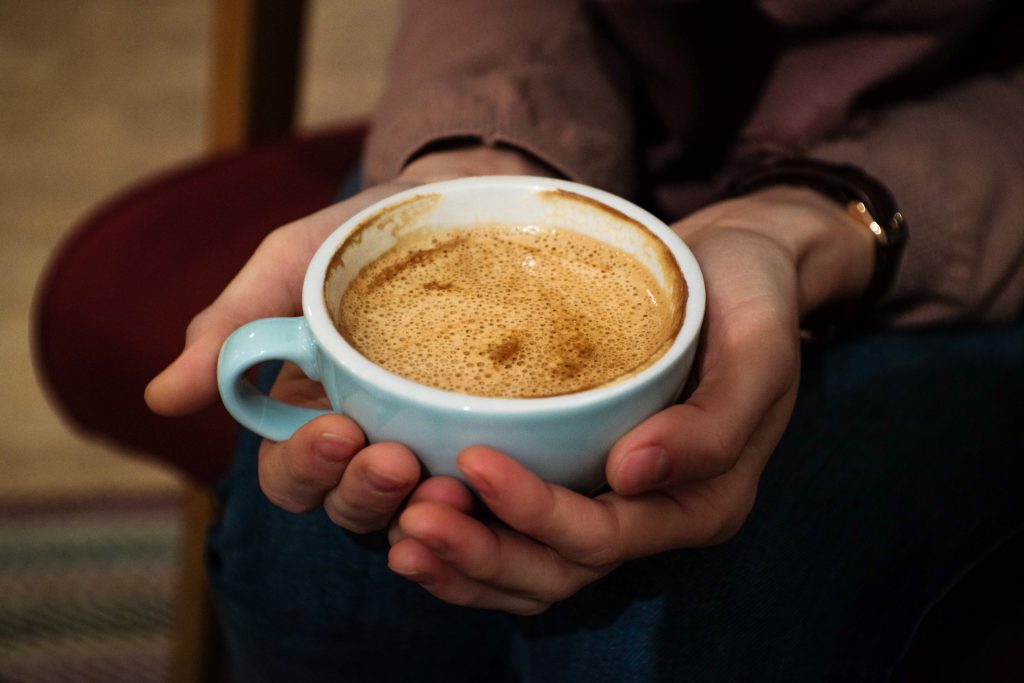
(396,216)
(664,254)
(560,194)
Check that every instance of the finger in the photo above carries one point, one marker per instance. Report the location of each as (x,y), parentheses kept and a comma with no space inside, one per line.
(268,285)
(705,436)
(296,474)
(444,490)
(416,562)
(189,382)
(580,528)
(496,557)
(373,487)
(604,531)
(751,363)
(293,386)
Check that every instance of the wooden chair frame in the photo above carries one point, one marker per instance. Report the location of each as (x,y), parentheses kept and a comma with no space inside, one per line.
(255,72)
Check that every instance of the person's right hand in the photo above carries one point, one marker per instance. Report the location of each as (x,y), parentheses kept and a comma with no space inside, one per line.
(362,492)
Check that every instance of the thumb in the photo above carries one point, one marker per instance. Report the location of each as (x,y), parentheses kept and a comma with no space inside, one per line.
(189,383)
(750,382)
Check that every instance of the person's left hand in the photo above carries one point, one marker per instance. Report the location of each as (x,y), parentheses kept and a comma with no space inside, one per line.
(685,477)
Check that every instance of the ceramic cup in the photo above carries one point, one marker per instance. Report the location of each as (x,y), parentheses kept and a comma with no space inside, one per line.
(564,439)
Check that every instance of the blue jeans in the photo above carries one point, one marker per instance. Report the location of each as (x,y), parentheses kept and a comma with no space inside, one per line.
(901,468)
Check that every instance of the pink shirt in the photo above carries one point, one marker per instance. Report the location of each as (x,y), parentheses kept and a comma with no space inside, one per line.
(657,100)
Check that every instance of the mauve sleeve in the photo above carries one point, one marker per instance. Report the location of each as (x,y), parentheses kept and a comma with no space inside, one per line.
(954,158)
(532,74)
(955,163)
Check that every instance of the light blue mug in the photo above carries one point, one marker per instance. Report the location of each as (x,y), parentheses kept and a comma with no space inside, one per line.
(564,439)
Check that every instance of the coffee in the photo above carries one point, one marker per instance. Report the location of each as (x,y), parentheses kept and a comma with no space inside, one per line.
(508,311)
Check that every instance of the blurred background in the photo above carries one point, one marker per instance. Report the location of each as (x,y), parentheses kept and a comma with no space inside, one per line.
(100,547)
(96,95)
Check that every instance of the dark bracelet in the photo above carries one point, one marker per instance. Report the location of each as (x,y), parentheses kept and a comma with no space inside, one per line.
(865,198)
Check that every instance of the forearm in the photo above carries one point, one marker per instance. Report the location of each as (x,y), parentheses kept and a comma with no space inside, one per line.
(955,163)
(528,74)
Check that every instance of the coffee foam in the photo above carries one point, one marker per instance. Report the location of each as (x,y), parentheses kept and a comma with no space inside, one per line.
(508,311)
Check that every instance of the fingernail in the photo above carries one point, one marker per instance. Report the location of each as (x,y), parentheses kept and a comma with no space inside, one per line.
(335,448)
(646,468)
(479,483)
(384,483)
(421,578)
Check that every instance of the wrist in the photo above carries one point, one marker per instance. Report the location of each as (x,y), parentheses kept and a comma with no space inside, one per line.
(833,253)
(866,203)
(831,256)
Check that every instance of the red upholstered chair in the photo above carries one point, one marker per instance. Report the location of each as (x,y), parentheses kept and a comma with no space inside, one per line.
(113,306)
(119,293)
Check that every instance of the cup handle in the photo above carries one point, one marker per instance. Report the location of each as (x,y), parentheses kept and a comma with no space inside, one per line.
(257,342)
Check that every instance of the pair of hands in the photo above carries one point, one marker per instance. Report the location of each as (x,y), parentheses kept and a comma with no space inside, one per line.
(685,477)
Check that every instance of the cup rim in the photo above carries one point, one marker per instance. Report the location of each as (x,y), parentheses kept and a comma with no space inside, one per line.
(333,344)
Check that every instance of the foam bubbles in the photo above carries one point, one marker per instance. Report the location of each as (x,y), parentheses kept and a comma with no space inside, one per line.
(499,310)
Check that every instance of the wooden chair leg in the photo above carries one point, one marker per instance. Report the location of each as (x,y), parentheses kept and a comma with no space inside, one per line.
(257,58)
(199,654)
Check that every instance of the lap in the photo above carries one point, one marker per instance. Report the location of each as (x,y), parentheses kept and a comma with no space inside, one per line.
(900,469)
(301,599)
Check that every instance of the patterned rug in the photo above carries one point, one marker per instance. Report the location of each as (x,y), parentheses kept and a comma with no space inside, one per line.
(87,589)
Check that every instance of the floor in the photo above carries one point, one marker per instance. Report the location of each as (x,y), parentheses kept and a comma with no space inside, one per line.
(95,95)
